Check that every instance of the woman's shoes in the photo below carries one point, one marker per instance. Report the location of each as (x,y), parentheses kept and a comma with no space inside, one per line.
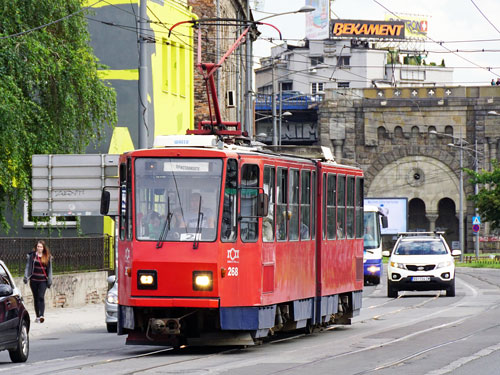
(42,319)
(37,320)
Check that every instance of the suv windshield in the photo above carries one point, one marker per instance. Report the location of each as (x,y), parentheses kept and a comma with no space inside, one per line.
(434,247)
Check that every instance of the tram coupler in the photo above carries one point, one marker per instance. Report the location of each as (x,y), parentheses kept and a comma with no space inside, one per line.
(166,326)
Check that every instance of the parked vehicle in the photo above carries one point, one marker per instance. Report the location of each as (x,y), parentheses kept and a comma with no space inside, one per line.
(421,261)
(111,305)
(14,318)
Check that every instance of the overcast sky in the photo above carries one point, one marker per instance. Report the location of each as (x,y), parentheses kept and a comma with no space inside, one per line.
(449,21)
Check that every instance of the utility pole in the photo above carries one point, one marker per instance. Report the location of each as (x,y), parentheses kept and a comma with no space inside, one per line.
(273,103)
(461,197)
(143,76)
(476,190)
(248,89)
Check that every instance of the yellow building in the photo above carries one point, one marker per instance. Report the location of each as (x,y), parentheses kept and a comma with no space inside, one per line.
(113,26)
(114,36)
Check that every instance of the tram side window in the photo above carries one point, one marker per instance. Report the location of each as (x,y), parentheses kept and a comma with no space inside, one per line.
(313,211)
(123,201)
(248,193)
(331,207)
(341,207)
(228,227)
(293,205)
(350,207)
(268,221)
(359,208)
(323,203)
(305,205)
(281,206)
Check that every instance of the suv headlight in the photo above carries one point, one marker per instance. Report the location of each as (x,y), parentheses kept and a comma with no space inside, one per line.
(112,298)
(448,263)
(398,265)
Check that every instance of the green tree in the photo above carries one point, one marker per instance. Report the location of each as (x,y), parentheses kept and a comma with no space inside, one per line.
(52,100)
(487,200)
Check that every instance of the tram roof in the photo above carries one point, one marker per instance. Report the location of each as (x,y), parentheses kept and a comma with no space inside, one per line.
(213,142)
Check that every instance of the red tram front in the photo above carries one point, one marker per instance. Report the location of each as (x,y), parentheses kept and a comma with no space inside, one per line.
(225,244)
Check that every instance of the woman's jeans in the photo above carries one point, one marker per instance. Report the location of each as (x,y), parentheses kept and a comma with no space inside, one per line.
(38,289)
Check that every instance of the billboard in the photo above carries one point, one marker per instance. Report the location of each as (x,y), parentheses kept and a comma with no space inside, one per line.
(396,210)
(71,184)
(317,21)
(368,29)
(415,26)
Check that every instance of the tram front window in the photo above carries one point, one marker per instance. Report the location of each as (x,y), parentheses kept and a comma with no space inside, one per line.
(177,199)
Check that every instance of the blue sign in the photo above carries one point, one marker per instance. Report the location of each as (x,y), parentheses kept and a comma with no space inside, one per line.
(476,220)
(475,228)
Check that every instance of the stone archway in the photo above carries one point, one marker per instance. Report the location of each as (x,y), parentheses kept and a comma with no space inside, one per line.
(426,178)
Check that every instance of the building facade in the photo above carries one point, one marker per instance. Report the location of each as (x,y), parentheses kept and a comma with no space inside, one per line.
(232,77)
(401,138)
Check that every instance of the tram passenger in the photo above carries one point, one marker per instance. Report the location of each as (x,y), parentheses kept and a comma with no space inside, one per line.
(154,225)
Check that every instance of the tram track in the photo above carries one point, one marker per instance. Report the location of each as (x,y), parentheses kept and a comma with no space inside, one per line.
(99,366)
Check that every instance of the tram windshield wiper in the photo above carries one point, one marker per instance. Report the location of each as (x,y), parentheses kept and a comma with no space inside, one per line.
(166,227)
(197,233)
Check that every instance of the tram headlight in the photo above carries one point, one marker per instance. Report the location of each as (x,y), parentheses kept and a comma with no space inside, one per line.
(147,279)
(202,280)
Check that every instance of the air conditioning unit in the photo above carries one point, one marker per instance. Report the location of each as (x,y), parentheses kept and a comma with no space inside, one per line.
(230,99)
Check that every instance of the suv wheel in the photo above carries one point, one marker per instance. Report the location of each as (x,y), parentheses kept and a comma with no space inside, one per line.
(391,291)
(450,291)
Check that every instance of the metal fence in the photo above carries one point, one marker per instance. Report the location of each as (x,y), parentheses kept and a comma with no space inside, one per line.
(72,254)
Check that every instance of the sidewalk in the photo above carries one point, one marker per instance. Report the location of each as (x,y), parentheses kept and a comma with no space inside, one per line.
(68,319)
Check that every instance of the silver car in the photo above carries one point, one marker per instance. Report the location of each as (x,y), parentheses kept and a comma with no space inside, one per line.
(111,305)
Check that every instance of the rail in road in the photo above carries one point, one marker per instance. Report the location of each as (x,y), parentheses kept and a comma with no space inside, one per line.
(416,333)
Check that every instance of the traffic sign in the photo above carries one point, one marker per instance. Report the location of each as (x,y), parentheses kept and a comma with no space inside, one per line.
(476,220)
(475,228)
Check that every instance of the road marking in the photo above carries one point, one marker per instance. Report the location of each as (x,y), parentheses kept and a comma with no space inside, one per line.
(462,361)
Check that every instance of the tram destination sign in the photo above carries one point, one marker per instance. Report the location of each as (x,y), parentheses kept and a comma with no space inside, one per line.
(368,29)
(71,184)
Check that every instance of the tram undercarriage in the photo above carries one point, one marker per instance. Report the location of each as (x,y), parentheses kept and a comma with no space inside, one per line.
(235,326)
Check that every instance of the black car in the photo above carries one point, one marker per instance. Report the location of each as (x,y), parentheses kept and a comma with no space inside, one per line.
(14,318)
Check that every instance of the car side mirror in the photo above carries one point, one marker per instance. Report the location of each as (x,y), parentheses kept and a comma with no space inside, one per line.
(5,290)
(385,222)
(456,253)
(386,253)
(111,279)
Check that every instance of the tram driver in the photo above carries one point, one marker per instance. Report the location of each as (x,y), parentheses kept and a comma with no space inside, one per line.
(188,218)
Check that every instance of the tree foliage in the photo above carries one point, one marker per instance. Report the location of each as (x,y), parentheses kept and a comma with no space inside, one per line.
(52,98)
(487,200)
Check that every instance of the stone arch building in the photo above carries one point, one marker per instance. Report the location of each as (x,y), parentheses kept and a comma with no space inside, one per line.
(401,138)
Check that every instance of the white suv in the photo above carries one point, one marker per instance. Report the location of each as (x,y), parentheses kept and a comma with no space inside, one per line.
(421,261)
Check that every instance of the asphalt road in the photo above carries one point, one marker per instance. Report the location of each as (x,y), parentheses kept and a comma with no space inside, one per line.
(417,333)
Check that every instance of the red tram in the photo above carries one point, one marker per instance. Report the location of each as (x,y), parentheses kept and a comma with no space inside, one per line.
(227,244)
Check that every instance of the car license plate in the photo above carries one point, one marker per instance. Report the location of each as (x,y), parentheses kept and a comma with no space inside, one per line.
(421,278)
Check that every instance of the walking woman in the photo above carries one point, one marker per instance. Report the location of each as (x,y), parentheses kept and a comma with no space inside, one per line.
(39,273)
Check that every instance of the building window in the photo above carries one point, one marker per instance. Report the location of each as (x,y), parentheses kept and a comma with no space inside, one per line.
(286,86)
(344,61)
(317,88)
(413,75)
(316,60)
(55,221)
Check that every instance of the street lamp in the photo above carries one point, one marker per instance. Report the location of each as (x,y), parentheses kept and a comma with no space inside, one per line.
(460,192)
(476,187)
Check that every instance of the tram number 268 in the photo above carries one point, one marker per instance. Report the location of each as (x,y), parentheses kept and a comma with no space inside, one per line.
(232,271)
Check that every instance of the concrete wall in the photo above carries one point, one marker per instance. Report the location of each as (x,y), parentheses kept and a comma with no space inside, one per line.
(70,290)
